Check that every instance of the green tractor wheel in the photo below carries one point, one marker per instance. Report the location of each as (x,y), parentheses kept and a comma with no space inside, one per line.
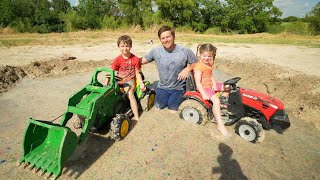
(119,127)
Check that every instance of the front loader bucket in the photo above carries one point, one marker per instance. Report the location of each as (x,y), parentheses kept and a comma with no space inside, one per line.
(46,146)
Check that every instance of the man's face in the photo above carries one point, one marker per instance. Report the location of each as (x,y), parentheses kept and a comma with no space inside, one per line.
(167,40)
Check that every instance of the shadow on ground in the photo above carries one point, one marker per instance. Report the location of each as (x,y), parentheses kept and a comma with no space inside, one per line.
(229,167)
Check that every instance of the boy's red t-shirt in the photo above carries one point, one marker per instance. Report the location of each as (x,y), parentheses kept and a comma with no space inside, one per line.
(126,67)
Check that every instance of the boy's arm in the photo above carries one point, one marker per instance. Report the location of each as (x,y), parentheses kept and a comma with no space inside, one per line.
(197,78)
(139,78)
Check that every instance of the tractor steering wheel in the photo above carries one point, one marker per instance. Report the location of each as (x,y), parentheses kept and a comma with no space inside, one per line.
(232,82)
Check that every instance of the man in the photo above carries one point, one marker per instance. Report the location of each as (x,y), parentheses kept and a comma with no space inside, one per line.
(172,62)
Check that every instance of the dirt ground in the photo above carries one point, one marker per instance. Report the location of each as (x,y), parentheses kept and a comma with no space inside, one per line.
(36,81)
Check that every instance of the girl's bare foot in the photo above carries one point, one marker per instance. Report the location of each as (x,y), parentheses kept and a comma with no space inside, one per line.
(224,132)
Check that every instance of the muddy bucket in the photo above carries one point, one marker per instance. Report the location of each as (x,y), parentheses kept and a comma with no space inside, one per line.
(47,146)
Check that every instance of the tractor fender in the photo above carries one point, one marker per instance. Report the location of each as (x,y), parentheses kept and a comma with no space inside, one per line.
(197,96)
(262,118)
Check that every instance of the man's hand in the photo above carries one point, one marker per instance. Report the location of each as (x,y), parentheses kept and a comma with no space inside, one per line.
(183,74)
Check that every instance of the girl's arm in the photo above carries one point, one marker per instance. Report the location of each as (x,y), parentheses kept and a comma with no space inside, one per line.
(197,78)
(214,85)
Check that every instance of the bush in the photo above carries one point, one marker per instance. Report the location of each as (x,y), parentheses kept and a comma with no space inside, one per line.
(213,30)
(276,29)
(185,29)
(23,25)
(298,28)
(109,22)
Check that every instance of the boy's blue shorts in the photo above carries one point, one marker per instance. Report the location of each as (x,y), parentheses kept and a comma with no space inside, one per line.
(170,98)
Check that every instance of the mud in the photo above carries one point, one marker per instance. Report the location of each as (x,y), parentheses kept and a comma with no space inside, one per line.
(161,145)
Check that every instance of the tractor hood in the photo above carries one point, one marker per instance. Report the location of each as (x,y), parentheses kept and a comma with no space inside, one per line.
(252,95)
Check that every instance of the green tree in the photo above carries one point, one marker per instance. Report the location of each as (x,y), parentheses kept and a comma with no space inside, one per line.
(138,12)
(60,6)
(90,13)
(249,16)
(290,19)
(179,12)
(313,18)
(130,12)
(6,12)
(46,16)
(207,14)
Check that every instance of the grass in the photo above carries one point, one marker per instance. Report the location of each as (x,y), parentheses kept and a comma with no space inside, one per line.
(97,37)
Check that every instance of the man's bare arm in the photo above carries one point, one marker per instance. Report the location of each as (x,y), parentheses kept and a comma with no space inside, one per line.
(143,60)
(185,72)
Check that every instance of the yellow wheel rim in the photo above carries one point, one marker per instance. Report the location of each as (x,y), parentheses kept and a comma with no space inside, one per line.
(151,101)
(124,128)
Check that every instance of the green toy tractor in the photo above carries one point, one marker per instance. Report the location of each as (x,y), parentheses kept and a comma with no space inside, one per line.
(47,146)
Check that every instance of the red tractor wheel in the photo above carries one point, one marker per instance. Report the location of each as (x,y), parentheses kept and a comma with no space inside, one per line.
(250,130)
(192,111)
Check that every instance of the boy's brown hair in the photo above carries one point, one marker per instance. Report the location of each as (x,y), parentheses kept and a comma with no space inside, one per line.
(125,39)
(164,29)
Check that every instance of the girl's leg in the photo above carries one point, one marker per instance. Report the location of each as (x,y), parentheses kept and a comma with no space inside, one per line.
(217,115)
(133,102)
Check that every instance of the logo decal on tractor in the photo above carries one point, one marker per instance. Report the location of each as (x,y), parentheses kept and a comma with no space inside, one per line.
(249,96)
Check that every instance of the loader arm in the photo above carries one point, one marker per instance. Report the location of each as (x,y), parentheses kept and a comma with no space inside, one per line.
(47,146)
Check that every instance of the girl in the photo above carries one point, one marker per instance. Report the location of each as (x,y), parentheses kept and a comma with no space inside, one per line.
(205,83)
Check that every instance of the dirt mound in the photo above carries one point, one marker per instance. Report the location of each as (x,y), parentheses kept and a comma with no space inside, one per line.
(300,93)
(59,67)
(10,75)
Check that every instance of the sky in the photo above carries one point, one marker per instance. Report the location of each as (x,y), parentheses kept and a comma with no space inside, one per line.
(298,8)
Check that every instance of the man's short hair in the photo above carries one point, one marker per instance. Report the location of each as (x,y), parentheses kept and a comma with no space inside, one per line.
(125,39)
(164,29)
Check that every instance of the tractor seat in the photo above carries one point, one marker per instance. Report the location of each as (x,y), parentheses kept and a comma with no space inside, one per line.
(190,82)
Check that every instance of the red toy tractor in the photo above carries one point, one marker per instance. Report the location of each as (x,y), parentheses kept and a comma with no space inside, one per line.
(251,111)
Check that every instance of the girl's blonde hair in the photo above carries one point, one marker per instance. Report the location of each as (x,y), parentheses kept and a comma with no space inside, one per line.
(207,47)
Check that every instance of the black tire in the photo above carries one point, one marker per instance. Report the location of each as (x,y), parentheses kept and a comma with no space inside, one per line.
(192,111)
(119,127)
(148,101)
(250,130)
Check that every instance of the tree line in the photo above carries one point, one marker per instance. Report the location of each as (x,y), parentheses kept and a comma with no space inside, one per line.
(240,16)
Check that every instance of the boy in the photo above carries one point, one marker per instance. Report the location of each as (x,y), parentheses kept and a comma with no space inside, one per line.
(128,67)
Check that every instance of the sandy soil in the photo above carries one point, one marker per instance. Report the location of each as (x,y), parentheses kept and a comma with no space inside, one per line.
(37,82)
